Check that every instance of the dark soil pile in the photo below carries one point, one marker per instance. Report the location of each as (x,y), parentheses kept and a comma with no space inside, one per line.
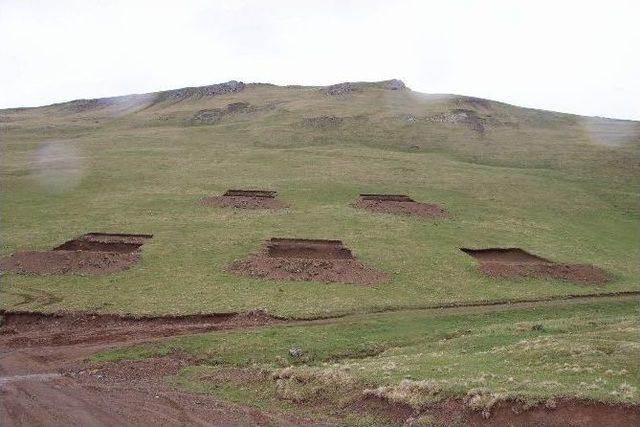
(324,270)
(515,262)
(93,246)
(92,253)
(503,255)
(400,204)
(579,273)
(68,261)
(244,199)
(307,248)
(307,260)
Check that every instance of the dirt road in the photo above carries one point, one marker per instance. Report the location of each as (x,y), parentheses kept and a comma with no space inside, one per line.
(44,380)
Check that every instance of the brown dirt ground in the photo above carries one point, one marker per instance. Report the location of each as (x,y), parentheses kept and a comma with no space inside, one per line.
(64,261)
(92,253)
(307,248)
(515,262)
(320,270)
(579,273)
(402,207)
(503,255)
(94,246)
(307,260)
(27,329)
(242,202)
(44,380)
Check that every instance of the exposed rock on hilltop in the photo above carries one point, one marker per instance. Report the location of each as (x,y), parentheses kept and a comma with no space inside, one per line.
(133,102)
(349,87)
(342,88)
(216,89)
(394,84)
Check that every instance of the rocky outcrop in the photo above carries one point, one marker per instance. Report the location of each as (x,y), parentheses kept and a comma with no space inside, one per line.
(232,86)
(461,116)
(132,102)
(323,122)
(351,87)
(394,84)
(214,115)
(342,88)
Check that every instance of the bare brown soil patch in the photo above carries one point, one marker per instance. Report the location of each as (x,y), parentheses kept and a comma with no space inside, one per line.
(68,261)
(244,199)
(307,248)
(504,255)
(515,262)
(308,260)
(251,193)
(580,273)
(91,253)
(84,245)
(400,204)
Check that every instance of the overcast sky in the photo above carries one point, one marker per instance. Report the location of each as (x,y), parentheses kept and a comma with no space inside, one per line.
(573,56)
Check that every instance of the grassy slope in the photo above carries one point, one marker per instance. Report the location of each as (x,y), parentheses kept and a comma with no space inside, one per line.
(538,180)
(585,349)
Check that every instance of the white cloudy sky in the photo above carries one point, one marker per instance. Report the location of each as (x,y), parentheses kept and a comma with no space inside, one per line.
(573,56)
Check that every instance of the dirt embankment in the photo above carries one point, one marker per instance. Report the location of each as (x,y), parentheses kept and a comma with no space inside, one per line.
(569,412)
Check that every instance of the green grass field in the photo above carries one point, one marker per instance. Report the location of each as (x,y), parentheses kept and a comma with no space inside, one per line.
(563,187)
(542,182)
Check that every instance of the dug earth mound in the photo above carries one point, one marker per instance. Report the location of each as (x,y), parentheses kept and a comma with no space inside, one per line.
(307,260)
(92,253)
(401,205)
(515,263)
(244,199)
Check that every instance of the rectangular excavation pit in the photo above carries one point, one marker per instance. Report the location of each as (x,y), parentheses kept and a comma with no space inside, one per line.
(116,237)
(93,246)
(504,255)
(105,242)
(386,197)
(307,248)
(251,193)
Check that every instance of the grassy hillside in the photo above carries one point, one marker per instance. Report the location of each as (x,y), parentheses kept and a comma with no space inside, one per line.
(561,186)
